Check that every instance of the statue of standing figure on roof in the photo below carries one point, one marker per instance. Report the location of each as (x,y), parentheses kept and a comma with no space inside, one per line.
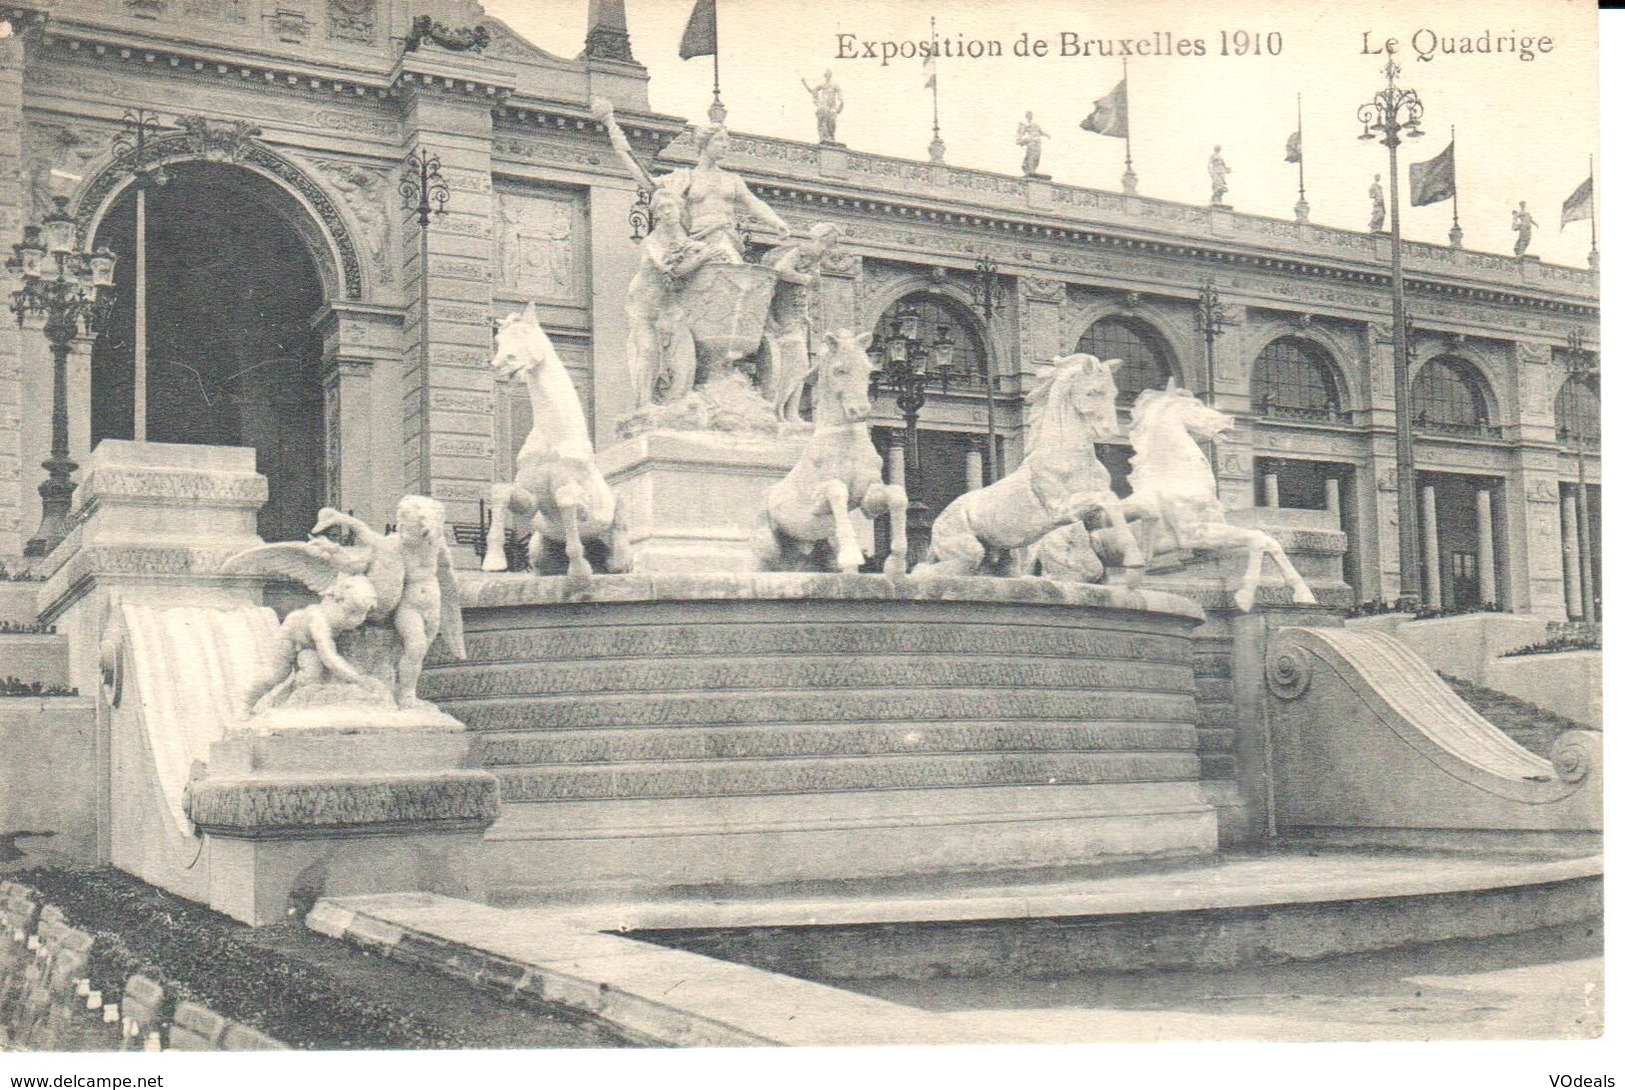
(828,104)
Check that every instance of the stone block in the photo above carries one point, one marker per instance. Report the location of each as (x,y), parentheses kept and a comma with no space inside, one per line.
(690,500)
(196,1028)
(48,772)
(34,657)
(142,1002)
(1567,684)
(240,1038)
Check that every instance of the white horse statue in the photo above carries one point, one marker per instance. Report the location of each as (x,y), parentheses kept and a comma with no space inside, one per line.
(839,470)
(1060,482)
(557,486)
(1176,498)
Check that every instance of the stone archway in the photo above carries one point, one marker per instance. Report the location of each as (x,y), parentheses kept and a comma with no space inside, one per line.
(232,287)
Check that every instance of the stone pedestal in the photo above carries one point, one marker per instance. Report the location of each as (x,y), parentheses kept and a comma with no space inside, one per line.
(292,817)
(691,500)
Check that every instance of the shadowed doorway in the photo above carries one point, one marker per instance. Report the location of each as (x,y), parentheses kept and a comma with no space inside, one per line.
(231,358)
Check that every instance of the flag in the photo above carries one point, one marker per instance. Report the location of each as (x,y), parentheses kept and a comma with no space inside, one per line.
(1578,206)
(930,70)
(1294,147)
(1111,114)
(1434,180)
(700,36)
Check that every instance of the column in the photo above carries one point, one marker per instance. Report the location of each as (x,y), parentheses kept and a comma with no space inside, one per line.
(973,464)
(1272,489)
(1572,592)
(1334,499)
(1486,549)
(448,452)
(19,503)
(1430,549)
(896,459)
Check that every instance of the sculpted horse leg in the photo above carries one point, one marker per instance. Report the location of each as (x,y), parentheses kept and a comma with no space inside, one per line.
(506,500)
(1219,535)
(618,549)
(848,553)
(568,499)
(955,549)
(891,499)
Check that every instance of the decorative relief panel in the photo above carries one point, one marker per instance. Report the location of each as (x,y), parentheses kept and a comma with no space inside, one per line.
(351,20)
(69,150)
(536,252)
(367,193)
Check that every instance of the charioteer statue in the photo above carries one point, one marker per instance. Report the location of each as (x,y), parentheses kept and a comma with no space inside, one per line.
(708,344)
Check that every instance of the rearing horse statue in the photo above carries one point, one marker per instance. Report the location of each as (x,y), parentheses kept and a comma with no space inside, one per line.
(1060,482)
(839,470)
(1176,498)
(557,486)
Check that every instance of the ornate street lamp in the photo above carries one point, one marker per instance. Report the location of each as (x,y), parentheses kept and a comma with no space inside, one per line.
(1583,366)
(1211,318)
(70,288)
(425,192)
(991,295)
(905,365)
(1392,111)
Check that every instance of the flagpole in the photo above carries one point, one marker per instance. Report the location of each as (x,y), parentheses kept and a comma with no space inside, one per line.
(718,113)
(1455,221)
(1301,209)
(1130,182)
(937,148)
(1593,258)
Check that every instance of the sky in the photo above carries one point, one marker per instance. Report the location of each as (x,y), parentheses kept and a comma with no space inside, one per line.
(1524,128)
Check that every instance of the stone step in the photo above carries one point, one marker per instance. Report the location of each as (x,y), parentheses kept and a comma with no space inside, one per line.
(689,779)
(31,657)
(673,709)
(562,642)
(494,750)
(480,680)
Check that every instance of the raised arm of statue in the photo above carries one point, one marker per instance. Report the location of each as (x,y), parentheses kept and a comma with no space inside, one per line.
(759,208)
(604,113)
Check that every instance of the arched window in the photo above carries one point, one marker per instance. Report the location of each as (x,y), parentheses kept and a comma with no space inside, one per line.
(1295,379)
(1448,396)
(1579,412)
(1146,360)
(939,314)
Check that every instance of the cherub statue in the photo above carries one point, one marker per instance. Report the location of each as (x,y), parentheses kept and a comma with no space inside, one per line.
(402,580)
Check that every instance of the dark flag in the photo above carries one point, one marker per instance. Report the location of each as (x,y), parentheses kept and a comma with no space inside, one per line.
(1434,180)
(1578,206)
(1111,114)
(700,36)
(1294,147)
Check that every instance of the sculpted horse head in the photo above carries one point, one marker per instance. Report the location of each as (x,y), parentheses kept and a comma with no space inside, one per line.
(522,345)
(841,392)
(1075,401)
(1157,409)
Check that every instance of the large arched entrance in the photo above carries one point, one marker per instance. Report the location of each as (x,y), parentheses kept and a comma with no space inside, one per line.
(231,356)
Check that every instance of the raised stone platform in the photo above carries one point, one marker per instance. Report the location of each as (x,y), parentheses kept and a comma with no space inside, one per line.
(669,731)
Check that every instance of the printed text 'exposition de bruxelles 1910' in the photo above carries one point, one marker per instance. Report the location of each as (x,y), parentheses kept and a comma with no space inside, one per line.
(1426,43)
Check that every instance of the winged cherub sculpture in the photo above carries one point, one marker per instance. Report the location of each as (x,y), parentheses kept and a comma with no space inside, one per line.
(401,582)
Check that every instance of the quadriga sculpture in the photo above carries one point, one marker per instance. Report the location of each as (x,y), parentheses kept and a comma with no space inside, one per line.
(1059,482)
(839,471)
(1175,497)
(400,582)
(557,486)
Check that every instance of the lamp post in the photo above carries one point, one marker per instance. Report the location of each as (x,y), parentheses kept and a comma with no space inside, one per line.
(69,288)
(992,298)
(139,125)
(1390,112)
(1583,366)
(425,192)
(905,365)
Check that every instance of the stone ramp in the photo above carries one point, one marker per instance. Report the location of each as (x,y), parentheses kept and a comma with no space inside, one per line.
(1531,726)
(1304,906)
(1371,746)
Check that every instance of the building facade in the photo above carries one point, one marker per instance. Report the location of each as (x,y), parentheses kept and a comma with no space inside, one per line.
(296,304)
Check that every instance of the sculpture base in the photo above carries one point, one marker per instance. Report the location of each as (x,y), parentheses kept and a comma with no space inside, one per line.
(691,499)
(287,818)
